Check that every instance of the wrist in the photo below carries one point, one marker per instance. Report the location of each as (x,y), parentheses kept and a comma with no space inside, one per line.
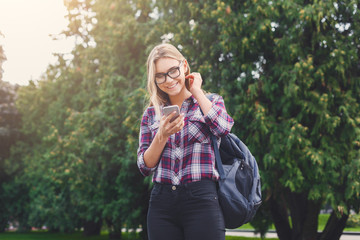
(197,92)
(161,136)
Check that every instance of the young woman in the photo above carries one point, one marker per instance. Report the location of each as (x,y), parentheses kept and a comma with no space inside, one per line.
(183,203)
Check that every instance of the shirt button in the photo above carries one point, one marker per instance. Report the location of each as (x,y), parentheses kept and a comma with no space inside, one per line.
(173,188)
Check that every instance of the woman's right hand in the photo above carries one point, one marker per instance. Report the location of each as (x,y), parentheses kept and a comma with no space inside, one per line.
(168,127)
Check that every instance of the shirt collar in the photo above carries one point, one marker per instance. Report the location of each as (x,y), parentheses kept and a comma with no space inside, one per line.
(191,99)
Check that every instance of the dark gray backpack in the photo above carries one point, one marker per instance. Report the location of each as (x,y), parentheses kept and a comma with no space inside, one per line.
(239,184)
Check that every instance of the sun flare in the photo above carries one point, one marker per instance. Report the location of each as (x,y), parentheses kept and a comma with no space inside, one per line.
(28,26)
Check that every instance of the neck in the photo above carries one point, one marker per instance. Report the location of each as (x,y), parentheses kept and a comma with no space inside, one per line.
(180,98)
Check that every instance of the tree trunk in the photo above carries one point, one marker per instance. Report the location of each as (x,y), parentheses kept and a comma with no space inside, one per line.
(54,230)
(304,215)
(92,228)
(24,228)
(297,205)
(3,224)
(3,211)
(280,218)
(311,223)
(115,235)
(334,227)
(115,229)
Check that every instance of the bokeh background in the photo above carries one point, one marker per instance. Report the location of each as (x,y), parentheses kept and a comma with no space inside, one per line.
(288,71)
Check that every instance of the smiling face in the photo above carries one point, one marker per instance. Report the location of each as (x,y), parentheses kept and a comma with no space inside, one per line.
(172,86)
(161,60)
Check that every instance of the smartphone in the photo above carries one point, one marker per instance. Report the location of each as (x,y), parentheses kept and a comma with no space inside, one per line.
(172,108)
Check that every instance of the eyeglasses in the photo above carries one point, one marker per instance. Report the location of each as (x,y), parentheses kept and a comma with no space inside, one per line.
(174,72)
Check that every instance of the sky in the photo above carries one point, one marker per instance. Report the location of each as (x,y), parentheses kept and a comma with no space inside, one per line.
(28,46)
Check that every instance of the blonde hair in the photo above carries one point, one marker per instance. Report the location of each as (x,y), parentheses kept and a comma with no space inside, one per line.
(159,98)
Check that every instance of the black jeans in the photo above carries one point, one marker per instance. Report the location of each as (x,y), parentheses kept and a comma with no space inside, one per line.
(185,212)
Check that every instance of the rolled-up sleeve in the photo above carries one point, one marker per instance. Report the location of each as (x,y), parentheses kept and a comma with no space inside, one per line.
(145,139)
(218,119)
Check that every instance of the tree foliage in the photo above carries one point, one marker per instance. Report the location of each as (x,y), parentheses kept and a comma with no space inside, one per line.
(9,135)
(78,161)
(289,74)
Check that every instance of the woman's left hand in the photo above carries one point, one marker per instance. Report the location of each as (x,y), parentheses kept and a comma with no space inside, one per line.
(195,82)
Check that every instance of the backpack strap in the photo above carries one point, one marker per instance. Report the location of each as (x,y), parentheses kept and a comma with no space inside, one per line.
(219,165)
(218,162)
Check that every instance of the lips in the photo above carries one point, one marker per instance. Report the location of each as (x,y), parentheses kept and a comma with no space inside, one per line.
(172,86)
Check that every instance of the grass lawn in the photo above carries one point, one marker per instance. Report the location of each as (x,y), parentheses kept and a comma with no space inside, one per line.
(131,236)
(48,236)
(322,222)
(79,236)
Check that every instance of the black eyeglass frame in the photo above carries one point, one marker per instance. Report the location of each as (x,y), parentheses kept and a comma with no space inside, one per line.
(167,73)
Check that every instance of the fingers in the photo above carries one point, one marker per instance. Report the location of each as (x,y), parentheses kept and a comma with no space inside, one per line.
(169,127)
(191,79)
(195,79)
(189,76)
(171,117)
(193,75)
(177,124)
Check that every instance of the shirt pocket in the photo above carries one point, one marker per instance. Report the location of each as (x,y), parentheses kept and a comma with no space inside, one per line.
(198,130)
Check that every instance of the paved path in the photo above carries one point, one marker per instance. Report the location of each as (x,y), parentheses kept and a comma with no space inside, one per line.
(274,235)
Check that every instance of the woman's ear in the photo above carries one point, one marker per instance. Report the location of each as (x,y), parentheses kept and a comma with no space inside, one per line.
(186,68)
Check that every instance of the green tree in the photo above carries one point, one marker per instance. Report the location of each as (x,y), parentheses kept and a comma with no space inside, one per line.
(81,120)
(41,162)
(298,65)
(289,73)
(9,134)
(111,125)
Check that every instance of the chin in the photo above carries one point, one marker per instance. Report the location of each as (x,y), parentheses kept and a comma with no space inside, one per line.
(176,91)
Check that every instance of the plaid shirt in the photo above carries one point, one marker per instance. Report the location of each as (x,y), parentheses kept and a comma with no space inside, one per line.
(188,155)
